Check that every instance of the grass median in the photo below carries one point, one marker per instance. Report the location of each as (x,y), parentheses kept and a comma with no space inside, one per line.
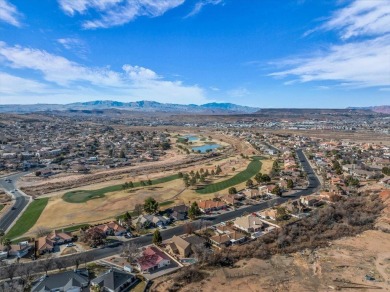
(83,196)
(252,169)
(28,218)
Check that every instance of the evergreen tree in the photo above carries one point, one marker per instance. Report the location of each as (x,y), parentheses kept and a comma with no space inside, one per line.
(157,239)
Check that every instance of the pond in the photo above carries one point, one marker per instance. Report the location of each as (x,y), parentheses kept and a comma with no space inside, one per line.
(191,138)
(205,148)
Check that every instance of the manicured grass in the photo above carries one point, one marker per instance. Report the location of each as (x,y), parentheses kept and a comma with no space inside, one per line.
(82,196)
(166,203)
(75,227)
(28,218)
(252,169)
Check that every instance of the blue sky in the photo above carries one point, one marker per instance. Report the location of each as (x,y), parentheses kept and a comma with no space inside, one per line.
(264,53)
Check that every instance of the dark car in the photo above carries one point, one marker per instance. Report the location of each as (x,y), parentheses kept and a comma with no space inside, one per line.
(13,208)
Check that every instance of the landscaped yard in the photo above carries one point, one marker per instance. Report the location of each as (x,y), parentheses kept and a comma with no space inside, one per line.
(28,218)
(82,196)
(253,168)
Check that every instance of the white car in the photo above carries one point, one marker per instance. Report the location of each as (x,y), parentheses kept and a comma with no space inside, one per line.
(70,244)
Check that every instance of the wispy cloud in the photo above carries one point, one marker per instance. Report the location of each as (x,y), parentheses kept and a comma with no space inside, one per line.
(361,62)
(65,76)
(116,12)
(9,13)
(238,92)
(361,18)
(75,45)
(200,4)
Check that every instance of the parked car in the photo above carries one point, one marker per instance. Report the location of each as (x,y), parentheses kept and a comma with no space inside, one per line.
(70,244)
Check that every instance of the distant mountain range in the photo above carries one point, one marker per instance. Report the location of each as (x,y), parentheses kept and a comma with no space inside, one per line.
(384,109)
(139,106)
(170,108)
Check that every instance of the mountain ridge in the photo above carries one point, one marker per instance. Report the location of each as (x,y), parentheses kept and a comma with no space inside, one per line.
(140,106)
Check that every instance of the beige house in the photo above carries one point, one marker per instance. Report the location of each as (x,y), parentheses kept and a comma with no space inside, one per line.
(250,223)
(180,247)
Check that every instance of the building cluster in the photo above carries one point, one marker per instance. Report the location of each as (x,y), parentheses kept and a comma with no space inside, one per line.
(65,146)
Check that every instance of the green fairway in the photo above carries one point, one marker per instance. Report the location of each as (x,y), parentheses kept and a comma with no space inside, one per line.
(28,218)
(82,196)
(253,168)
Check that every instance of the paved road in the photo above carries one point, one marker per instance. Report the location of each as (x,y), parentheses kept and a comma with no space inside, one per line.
(101,253)
(20,201)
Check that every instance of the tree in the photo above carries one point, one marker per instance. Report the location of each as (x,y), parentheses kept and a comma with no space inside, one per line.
(219,170)
(233,169)
(149,182)
(150,206)
(265,178)
(281,214)
(7,244)
(249,183)
(131,185)
(138,208)
(232,190)
(122,154)
(157,239)
(127,219)
(47,263)
(131,251)
(142,183)
(38,173)
(276,191)
(2,233)
(194,211)
(290,183)
(258,177)
(180,175)
(386,170)
(10,270)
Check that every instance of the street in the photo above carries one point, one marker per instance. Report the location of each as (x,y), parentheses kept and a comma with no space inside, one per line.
(20,201)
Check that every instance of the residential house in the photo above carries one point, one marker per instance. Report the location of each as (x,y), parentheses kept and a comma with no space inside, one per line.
(180,247)
(309,201)
(44,245)
(210,205)
(268,214)
(151,221)
(230,199)
(295,207)
(18,250)
(179,212)
(152,259)
(72,281)
(251,193)
(250,223)
(112,228)
(114,280)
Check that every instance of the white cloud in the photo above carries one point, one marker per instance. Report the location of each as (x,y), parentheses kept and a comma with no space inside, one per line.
(70,79)
(199,6)
(9,13)
(359,64)
(238,92)
(117,12)
(361,18)
(11,84)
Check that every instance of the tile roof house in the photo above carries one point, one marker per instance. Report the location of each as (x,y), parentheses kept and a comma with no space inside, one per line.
(152,259)
(74,281)
(112,228)
(250,223)
(210,205)
(46,243)
(114,280)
